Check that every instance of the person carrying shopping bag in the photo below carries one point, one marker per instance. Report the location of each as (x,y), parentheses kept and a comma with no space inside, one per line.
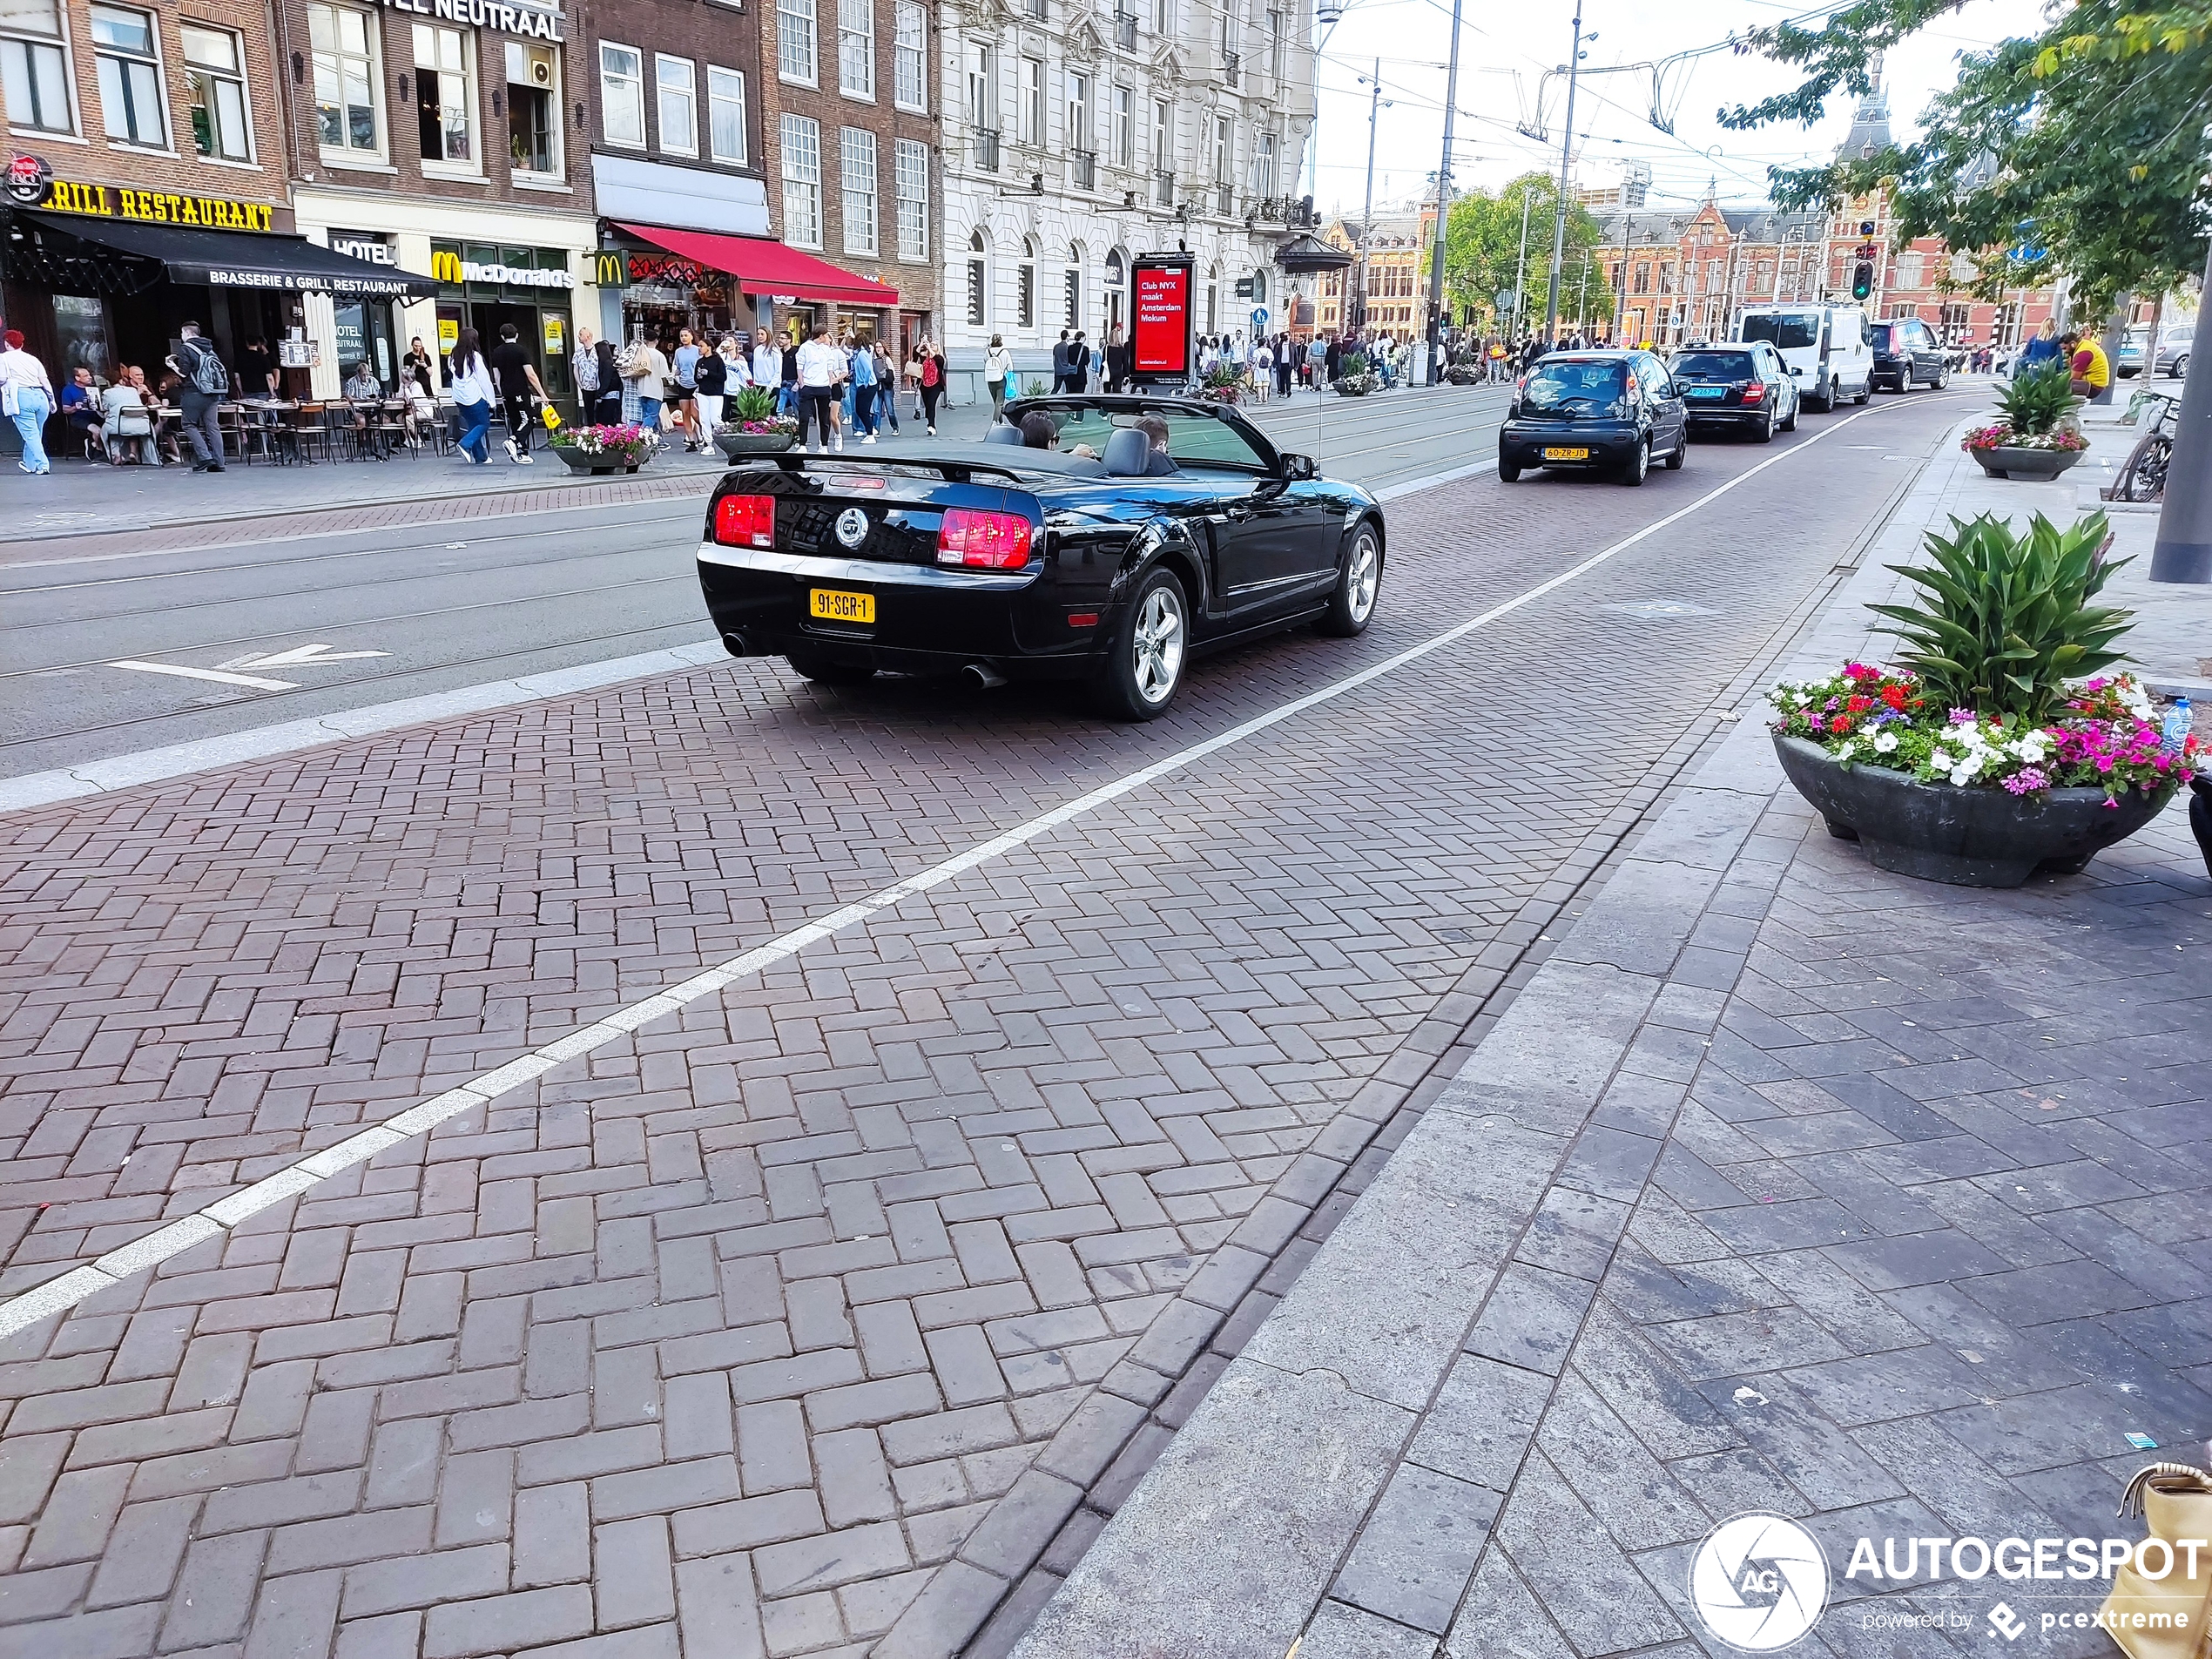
(27,398)
(998,369)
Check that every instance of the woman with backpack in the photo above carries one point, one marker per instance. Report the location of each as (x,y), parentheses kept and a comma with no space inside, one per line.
(998,367)
(472,397)
(928,371)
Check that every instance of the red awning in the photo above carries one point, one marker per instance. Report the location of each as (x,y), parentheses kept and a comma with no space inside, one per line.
(763,267)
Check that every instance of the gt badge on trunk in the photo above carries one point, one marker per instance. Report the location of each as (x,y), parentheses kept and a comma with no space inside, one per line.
(852,527)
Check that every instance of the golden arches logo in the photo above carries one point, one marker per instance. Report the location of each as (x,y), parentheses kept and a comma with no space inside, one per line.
(445,267)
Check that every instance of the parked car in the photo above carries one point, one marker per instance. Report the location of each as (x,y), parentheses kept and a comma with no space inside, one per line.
(1595,411)
(1741,388)
(2175,339)
(1005,561)
(1826,345)
(1906,350)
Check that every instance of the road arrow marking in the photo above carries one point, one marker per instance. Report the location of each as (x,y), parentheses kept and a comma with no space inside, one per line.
(299,656)
(208,674)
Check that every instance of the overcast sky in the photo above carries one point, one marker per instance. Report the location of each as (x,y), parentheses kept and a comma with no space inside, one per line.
(1504,50)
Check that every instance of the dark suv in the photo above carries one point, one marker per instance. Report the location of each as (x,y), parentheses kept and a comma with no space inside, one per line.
(1595,411)
(1745,387)
(1906,350)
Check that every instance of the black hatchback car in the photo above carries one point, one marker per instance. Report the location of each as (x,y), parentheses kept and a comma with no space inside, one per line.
(1905,350)
(1595,411)
(1743,388)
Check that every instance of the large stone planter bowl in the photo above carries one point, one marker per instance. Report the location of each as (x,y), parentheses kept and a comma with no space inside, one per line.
(736,446)
(1971,838)
(2033,465)
(598,466)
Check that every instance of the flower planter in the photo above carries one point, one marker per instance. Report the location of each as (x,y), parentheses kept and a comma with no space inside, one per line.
(736,446)
(2021,463)
(1971,837)
(598,465)
(1345,388)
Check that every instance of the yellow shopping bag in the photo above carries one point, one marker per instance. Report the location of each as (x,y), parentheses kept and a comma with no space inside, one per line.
(551,417)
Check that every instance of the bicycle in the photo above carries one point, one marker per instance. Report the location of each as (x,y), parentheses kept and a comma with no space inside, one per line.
(2142,476)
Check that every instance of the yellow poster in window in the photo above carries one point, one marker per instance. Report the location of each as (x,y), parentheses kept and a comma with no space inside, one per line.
(557,336)
(448,334)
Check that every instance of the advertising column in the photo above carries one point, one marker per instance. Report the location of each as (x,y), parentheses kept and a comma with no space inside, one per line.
(1160,336)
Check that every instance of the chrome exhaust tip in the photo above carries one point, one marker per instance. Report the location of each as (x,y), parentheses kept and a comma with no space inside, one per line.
(982,675)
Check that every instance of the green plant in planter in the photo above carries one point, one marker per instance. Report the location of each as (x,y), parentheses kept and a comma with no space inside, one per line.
(1034,388)
(2038,401)
(752,410)
(2005,622)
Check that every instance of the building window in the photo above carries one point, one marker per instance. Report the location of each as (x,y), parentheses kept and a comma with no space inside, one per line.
(726,115)
(1275,46)
(1116,285)
(345,113)
(911,82)
(1264,167)
(856,170)
(129,73)
(1025,312)
(1079,112)
(982,91)
(802,181)
(622,94)
(856,48)
(1072,283)
(1222,148)
(911,181)
(1213,298)
(1031,129)
(978,266)
(1163,17)
(678,83)
(1124,127)
(444,102)
(34,66)
(215,68)
(533,109)
(795,41)
(1163,135)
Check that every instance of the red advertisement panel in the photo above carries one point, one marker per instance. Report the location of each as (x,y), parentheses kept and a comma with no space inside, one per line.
(1160,342)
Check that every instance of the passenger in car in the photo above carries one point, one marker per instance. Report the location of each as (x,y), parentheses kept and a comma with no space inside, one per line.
(1039,432)
(1159,463)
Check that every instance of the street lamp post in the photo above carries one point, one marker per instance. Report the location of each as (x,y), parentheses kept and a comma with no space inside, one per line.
(1566,155)
(1520,266)
(1443,205)
(2183,550)
(1367,208)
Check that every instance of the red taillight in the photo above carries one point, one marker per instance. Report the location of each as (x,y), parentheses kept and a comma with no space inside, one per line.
(746,521)
(983,541)
(1755,392)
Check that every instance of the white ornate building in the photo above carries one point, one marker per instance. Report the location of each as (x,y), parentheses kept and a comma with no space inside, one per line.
(1079,133)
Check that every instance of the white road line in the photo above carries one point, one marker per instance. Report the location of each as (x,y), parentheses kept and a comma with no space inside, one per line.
(222,676)
(58,1295)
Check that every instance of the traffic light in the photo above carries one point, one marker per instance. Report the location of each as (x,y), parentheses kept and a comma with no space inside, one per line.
(1862,280)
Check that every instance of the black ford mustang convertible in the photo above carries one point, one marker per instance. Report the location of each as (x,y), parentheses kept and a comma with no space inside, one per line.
(1153,527)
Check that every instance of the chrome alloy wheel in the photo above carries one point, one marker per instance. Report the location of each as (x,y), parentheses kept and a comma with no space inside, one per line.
(1157,645)
(1364,577)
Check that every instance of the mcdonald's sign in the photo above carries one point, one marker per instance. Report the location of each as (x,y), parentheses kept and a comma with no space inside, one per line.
(445,267)
(607,271)
(551,272)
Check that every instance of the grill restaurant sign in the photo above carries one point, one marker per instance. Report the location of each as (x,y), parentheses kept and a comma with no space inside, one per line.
(156,207)
(537,21)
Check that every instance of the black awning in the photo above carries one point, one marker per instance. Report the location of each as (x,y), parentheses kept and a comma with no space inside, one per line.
(242,259)
(1306,253)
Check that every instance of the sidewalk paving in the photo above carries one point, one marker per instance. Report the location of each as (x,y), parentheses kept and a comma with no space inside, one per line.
(1785,1185)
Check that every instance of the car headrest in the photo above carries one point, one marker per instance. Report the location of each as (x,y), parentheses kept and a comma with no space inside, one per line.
(1004,434)
(1127,451)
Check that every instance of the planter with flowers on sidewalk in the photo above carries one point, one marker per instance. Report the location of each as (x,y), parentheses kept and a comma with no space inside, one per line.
(754,428)
(1981,760)
(598,449)
(2036,435)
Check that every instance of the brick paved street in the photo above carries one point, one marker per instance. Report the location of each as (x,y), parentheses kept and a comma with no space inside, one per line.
(805,1320)
(1787,1185)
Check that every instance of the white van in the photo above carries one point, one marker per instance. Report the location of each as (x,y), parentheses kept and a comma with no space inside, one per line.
(1826,348)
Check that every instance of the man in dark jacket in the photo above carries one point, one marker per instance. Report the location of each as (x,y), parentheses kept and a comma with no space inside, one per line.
(1334,362)
(207,383)
(1116,363)
(1060,363)
(1078,364)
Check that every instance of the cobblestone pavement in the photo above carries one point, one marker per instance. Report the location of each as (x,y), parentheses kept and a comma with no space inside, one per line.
(1786,1185)
(781,1326)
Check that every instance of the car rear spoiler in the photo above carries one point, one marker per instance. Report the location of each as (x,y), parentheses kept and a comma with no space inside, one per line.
(959,471)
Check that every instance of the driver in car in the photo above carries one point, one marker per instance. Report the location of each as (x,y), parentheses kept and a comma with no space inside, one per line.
(1158,463)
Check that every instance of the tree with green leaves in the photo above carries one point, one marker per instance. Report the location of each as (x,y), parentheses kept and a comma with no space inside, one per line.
(1483,247)
(2086,142)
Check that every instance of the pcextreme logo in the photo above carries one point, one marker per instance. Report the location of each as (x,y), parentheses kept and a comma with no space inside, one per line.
(1759,1582)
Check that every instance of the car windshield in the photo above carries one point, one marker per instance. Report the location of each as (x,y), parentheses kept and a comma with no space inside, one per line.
(1573,386)
(1716,365)
(1787,329)
(1194,441)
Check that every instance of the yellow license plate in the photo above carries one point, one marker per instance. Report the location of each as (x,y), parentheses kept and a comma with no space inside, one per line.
(1567,455)
(837,605)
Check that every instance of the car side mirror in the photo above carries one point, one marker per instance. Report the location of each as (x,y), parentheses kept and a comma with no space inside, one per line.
(1299,470)
(1797,374)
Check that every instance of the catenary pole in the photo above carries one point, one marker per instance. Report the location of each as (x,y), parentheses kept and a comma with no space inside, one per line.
(1520,266)
(1368,206)
(2183,550)
(1443,207)
(1566,155)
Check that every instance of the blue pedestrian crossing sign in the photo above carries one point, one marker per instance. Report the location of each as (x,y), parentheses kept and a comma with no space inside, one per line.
(1259,316)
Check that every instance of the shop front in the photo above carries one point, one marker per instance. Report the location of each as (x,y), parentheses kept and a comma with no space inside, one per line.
(99,276)
(772,287)
(485,286)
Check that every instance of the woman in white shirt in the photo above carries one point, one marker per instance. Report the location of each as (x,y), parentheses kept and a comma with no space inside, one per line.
(472,397)
(998,368)
(28,397)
